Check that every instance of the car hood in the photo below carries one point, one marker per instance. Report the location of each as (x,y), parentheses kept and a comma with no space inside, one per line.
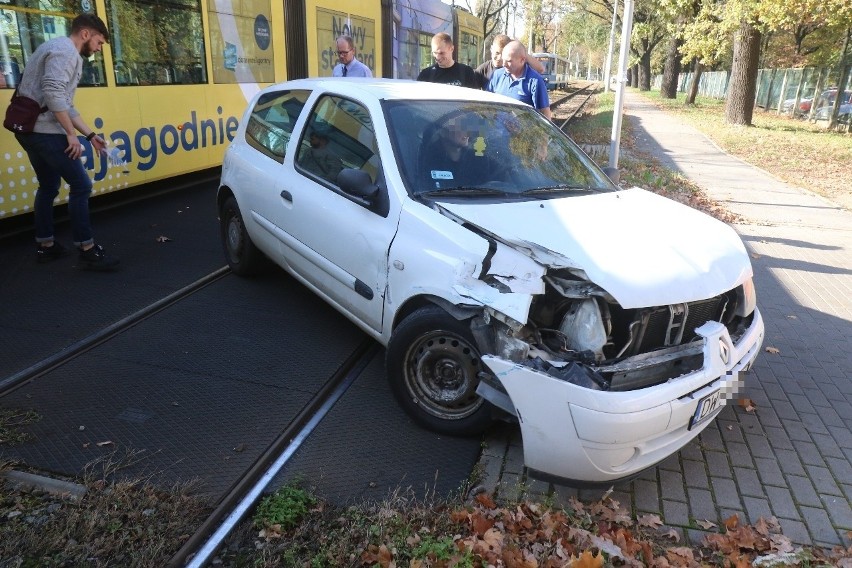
(645,250)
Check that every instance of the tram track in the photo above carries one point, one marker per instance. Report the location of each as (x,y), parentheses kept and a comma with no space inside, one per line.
(104,334)
(583,94)
(245,491)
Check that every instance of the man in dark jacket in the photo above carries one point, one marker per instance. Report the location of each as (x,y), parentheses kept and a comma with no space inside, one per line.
(446,70)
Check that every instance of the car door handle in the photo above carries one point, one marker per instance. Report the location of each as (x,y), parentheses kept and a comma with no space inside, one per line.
(286,195)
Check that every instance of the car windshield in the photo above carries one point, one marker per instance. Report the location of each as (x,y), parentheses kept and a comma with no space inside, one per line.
(478,149)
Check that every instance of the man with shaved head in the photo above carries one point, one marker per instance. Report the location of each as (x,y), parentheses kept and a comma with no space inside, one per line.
(518,80)
(486,70)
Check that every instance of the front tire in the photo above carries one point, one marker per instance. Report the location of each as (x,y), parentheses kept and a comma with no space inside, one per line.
(433,368)
(242,255)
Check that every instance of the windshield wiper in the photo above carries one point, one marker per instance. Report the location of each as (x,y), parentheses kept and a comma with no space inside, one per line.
(468,190)
(561,188)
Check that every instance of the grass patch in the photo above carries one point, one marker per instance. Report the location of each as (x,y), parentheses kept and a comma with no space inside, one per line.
(11,422)
(128,523)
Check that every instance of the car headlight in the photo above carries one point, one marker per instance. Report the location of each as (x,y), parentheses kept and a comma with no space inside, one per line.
(747,298)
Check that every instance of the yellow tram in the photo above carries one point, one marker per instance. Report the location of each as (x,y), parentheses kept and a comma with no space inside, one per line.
(168,89)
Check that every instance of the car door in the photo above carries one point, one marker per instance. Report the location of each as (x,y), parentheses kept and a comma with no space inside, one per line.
(259,162)
(338,243)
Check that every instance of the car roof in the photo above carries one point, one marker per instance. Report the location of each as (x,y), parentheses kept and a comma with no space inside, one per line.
(393,89)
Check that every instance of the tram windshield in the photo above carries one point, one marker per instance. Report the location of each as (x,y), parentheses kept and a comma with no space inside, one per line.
(485,149)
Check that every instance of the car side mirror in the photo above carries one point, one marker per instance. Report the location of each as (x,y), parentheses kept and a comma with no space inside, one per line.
(357,183)
(613,174)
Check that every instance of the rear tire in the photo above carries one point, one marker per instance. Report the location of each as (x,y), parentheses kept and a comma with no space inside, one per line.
(433,366)
(242,255)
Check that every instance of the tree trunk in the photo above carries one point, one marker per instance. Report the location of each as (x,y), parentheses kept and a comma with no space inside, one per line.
(629,81)
(645,71)
(697,69)
(841,84)
(740,106)
(668,90)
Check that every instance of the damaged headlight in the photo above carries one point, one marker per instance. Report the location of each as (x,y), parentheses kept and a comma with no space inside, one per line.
(746,298)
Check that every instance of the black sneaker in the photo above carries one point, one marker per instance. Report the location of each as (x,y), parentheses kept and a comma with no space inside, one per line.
(47,254)
(96,258)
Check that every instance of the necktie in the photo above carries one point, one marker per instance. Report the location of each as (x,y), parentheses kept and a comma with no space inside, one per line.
(344,70)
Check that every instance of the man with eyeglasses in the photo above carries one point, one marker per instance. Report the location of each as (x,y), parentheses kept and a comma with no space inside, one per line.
(349,66)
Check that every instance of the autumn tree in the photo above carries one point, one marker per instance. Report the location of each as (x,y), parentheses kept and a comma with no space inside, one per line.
(745,22)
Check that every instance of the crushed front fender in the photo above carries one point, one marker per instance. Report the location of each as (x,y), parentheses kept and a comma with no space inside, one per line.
(577,434)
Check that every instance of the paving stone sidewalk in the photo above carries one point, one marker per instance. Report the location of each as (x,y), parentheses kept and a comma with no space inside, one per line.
(792,457)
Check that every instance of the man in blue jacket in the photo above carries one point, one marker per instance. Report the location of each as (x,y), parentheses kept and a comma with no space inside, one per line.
(519,81)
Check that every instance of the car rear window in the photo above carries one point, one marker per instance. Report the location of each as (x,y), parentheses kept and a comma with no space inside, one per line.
(272,119)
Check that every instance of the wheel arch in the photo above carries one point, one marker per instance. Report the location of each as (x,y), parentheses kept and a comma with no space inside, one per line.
(222,194)
(414,303)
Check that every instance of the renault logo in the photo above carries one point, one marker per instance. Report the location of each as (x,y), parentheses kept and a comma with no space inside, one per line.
(724,352)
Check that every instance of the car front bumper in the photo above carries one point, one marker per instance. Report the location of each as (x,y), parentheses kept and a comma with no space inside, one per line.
(580,435)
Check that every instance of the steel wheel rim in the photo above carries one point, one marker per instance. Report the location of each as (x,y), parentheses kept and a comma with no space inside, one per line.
(234,237)
(441,374)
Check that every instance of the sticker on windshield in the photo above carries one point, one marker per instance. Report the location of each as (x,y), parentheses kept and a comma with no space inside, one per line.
(441,174)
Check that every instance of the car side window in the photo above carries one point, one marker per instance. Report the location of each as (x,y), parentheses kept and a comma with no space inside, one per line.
(272,119)
(339,134)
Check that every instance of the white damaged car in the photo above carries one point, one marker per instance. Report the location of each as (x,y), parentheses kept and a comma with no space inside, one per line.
(503,270)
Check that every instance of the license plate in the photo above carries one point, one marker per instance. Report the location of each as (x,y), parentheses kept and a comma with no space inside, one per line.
(706,407)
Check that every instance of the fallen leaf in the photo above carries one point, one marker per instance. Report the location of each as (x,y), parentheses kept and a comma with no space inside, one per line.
(486,501)
(680,556)
(239,447)
(106,443)
(773,350)
(747,404)
(163,239)
(672,534)
(706,525)
(586,560)
(86,445)
(732,522)
(653,521)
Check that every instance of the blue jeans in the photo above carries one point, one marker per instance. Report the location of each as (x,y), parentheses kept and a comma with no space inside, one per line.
(52,165)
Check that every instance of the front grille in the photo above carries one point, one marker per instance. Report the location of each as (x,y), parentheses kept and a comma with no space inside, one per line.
(660,327)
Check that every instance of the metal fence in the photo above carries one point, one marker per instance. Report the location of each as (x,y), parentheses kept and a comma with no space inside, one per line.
(790,90)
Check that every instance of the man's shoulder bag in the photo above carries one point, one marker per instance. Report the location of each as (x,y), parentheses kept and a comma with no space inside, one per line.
(21,114)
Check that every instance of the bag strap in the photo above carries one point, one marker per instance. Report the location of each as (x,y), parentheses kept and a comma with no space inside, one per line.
(15,95)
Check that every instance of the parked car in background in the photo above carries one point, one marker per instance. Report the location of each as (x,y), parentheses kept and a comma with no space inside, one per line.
(825,99)
(843,113)
(501,268)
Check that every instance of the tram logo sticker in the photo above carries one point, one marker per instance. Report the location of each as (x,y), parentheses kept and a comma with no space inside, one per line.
(261,32)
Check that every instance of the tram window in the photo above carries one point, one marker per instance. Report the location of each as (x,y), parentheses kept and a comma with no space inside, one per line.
(24,26)
(272,120)
(469,49)
(157,42)
(339,134)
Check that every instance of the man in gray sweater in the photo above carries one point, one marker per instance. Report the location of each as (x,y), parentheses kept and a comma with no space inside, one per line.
(50,78)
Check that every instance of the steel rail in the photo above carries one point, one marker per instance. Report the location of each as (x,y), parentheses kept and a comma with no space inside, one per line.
(245,492)
(580,91)
(105,334)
